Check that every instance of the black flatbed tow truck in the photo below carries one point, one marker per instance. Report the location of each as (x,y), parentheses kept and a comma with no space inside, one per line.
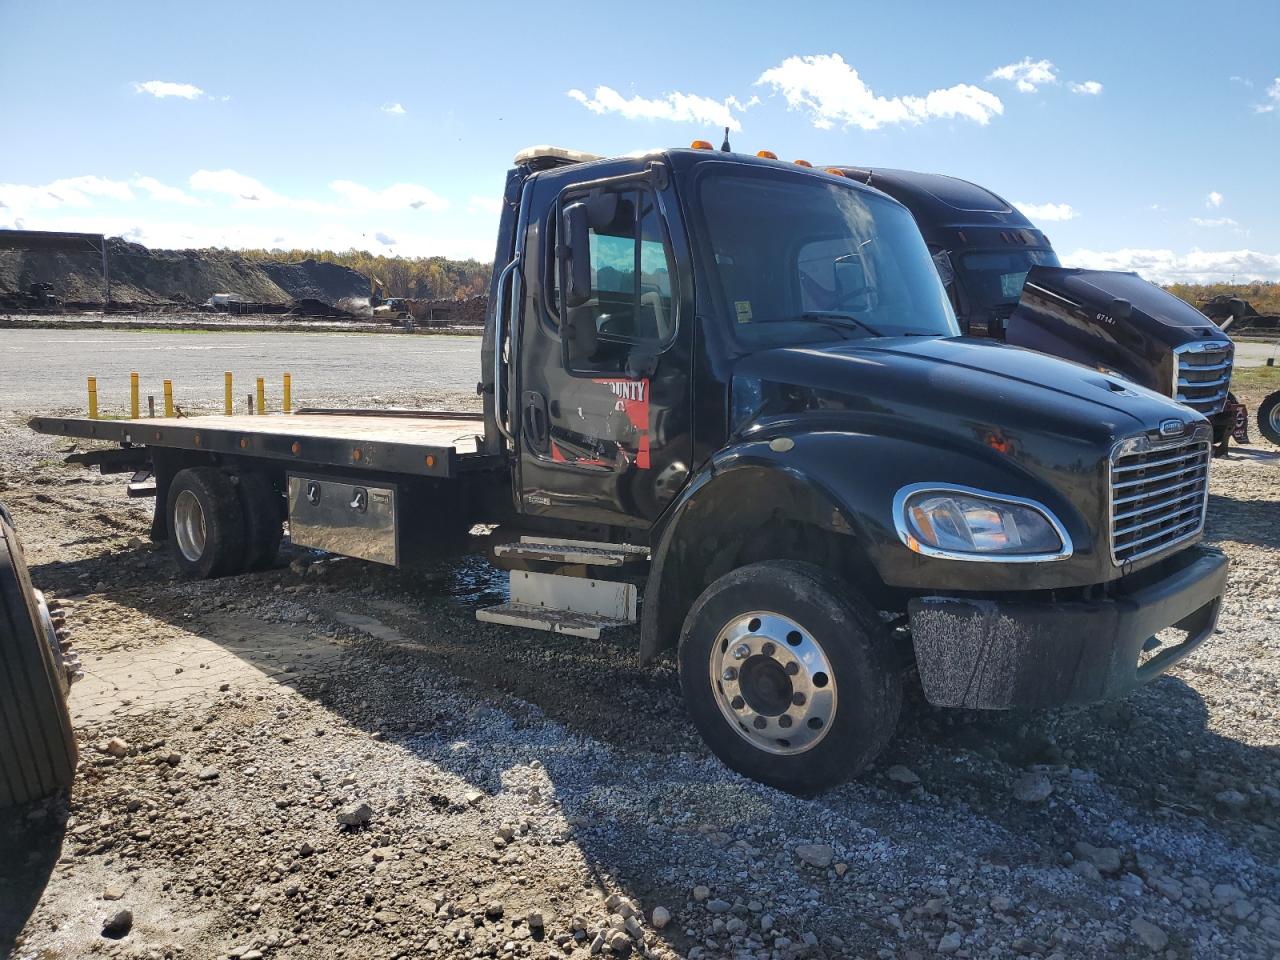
(736,385)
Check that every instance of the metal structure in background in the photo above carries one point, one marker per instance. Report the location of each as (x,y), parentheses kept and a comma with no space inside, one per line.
(47,241)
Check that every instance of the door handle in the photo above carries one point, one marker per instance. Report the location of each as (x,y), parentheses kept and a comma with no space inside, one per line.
(536,423)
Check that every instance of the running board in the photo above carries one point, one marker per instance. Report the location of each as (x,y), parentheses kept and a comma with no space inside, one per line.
(572,552)
(577,606)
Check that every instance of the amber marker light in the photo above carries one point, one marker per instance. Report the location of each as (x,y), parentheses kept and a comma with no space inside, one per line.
(295,448)
(357,454)
(766,155)
(431,461)
(802,163)
(835,172)
(701,145)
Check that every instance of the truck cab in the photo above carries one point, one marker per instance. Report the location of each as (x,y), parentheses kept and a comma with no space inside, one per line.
(752,369)
(1005,282)
(735,389)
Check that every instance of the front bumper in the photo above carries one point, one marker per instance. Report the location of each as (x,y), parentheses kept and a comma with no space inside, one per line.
(997,654)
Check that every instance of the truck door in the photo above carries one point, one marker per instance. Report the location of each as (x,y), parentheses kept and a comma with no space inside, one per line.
(603,395)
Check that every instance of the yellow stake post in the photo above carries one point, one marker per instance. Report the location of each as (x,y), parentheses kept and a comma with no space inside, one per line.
(287,403)
(93,398)
(168,398)
(262,396)
(227,406)
(133,396)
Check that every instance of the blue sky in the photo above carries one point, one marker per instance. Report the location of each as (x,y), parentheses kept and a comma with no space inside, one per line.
(1137,135)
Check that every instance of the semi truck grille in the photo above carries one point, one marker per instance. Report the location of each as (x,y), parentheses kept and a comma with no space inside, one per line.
(1159,492)
(1203,375)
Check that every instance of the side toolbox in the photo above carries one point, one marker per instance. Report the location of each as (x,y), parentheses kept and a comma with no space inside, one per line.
(344,517)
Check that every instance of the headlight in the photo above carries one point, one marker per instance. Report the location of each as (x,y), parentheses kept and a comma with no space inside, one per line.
(964,524)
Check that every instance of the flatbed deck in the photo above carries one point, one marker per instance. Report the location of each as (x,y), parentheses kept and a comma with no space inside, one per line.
(420,443)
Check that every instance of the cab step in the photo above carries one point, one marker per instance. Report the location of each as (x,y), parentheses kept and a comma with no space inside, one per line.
(577,606)
(591,552)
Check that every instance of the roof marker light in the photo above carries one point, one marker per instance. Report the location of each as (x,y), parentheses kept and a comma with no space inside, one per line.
(766,155)
(835,171)
(802,163)
(701,145)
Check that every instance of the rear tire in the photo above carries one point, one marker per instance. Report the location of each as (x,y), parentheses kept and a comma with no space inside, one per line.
(787,675)
(1269,418)
(206,524)
(263,524)
(37,742)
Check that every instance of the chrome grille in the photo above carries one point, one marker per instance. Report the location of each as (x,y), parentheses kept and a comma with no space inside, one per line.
(1203,374)
(1159,491)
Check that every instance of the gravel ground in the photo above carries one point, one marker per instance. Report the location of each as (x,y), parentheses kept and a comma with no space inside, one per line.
(331,759)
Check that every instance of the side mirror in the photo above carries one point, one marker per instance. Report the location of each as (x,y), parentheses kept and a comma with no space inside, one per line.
(1121,309)
(575,255)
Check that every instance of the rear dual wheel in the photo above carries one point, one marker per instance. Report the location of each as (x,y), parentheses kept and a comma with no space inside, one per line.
(787,676)
(220,525)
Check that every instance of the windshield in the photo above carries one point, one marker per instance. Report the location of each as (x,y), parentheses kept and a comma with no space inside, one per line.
(801,258)
(993,279)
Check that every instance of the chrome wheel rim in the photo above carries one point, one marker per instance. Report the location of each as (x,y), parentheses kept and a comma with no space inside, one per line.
(188,525)
(1274,417)
(773,683)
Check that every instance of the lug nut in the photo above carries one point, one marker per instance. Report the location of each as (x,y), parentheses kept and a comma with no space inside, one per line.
(730,673)
(741,652)
(768,649)
(737,703)
(784,721)
(798,699)
(792,668)
(759,723)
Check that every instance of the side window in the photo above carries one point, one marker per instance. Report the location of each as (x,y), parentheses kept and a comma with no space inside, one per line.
(631,285)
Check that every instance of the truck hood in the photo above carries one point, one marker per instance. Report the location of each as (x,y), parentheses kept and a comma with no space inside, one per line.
(951,387)
(1072,313)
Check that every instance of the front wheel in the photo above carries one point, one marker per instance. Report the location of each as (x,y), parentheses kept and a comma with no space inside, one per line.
(787,676)
(1269,418)
(206,524)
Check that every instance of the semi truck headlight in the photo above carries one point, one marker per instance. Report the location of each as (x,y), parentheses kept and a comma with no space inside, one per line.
(964,524)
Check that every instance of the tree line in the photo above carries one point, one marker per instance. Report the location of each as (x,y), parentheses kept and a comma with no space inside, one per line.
(425,278)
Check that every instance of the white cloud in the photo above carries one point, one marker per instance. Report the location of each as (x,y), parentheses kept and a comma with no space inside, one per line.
(491,205)
(675,107)
(1272,102)
(167,88)
(831,91)
(385,240)
(69,192)
(1089,88)
(1047,211)
(245,190)
(398,196)
(1215,222)
(1027,74)
(1198,266)
(393,108)
(1241,80)
(1213,200)
(162,191)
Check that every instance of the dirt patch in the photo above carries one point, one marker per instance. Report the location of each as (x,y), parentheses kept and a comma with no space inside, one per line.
(527,792)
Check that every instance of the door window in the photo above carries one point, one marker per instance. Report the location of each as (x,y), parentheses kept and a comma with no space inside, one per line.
(631,284)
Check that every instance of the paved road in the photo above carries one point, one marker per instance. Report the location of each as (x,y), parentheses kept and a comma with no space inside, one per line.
(1255,354)
(47,369)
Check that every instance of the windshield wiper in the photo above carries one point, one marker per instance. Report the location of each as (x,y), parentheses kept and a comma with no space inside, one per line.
(843,320)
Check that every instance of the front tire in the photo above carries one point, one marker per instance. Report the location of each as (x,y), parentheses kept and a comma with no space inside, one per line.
(786,673)
(206,524)
(1269,418)
(37,743)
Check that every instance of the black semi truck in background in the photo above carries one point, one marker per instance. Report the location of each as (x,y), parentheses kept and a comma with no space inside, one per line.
(1005,282)
(737,386)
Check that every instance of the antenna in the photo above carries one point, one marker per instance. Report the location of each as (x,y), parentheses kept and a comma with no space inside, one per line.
(724,147)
